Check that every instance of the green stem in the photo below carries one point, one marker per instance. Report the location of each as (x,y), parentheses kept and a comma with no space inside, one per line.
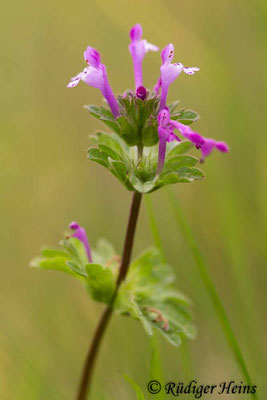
(89,364)
(210,288)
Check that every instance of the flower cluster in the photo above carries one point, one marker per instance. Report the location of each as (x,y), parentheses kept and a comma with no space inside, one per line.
(96,75)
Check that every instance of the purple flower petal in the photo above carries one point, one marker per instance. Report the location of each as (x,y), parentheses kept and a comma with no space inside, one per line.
(136,32)
(157,87)
(210,144)
(166,134)
(164,117)
(206,145)
(222,146)
(92,57)
(138,49)
(96,76)
(190,70)
(80,234)
(169,72)
(163,135)
(167,54)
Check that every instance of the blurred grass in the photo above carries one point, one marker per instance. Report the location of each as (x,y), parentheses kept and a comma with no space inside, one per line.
(46,181)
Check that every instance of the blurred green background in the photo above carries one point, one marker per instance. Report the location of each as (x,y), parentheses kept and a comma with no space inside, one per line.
(46,319)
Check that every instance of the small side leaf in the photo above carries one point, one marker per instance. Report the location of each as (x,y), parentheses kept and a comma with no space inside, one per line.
(186,117)
(177,148)
(98,156)
(100,281)
(104,115)
(57,263)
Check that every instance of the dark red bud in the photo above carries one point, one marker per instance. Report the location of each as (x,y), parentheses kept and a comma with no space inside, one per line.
(141,92)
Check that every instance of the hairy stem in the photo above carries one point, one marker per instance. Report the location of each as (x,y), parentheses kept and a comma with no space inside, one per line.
(89,364)
(129,238)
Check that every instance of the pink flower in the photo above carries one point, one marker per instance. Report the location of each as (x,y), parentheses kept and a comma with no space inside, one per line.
(95,75)
(80,234)
(169,72)
(166,134)
(138,49)
(206,145)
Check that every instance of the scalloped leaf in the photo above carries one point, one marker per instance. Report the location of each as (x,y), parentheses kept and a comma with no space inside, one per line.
(119,169)
(174,163)
(57,263)
(142,187)
(186,117)
(98,156)
(104,115)
(109,151)
(191,173)
(176,148)
(101,282)
(104,252)
(149,295)
(112,141)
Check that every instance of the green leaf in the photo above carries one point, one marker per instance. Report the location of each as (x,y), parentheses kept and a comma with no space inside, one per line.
(148,294)
(104,115)
(177,148)
(113,141)
(53,252)
(57,263)
(77,251)
(103,253)
(98,156)
(71,259)
(76,269)
(150,133)
(176,162)
(149,270)
(186,117)
(109,151)
(191,173)
(119,169)
(126,305)
(101,282)
(181,175)
(128,131)
(139,186)
(168,179)
(138,390)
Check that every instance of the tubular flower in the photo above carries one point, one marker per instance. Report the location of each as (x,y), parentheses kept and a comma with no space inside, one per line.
(169,72)
(138,49)
(80,233)
(166,134)
(206,145)
(95,75)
